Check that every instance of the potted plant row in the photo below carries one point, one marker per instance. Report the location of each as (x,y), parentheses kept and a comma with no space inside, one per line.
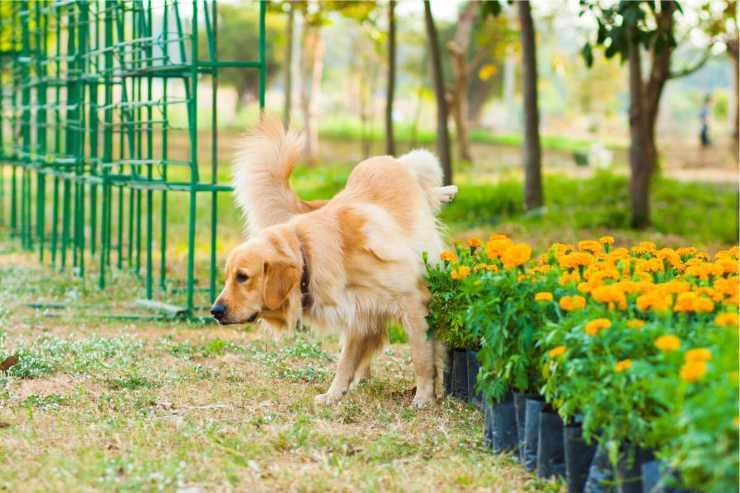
(615,368)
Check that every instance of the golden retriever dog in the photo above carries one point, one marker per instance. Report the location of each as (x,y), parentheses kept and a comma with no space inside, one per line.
(352,263)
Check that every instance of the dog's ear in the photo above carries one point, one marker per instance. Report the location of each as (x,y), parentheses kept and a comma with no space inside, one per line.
(280,279)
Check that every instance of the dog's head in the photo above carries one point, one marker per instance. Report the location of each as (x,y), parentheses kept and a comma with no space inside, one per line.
(262,280)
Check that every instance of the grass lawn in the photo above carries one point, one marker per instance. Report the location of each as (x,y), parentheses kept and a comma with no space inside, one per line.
(98,404)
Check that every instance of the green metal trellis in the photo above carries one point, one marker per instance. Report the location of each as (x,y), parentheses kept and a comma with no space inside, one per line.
(99,129)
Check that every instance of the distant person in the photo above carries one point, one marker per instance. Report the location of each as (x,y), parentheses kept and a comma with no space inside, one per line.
(704,118)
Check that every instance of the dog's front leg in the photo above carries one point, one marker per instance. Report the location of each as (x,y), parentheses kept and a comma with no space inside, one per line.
(348,360)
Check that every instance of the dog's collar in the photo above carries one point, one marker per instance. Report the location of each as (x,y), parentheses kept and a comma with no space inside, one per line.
(306,297)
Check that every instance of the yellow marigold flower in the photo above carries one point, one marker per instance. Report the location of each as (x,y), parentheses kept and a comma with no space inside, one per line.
(571,303)
(691,371)
(592,246)
(698,354)
(654,300)
(635,323)
(569,277)
(495,247)
(623,365)
(516,255)
(686,251)
(728,319)
(728,265)
(575,259)
(543,296)
(727,287)
(454,275)
(463,271)
(668,343)
(498,236)
(597,325)
(607,240)
(610,293)
(556,351)
(474,242)
(492,268)
(448,256)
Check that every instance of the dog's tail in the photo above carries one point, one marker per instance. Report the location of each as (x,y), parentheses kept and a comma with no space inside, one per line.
(261,170)
(428,171)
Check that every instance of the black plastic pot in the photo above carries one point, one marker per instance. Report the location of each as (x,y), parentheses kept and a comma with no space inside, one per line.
(600,474)
(578,456)
(503,425)
(630,463)
(658,478)
(447,374)
(474,397)
(550,448)
(520,408)
(532,408)
(488,424)
(460,374)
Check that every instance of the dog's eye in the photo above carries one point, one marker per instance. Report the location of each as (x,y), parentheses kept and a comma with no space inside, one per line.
(241,277)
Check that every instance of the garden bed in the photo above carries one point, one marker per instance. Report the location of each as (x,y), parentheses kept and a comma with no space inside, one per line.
(614,367)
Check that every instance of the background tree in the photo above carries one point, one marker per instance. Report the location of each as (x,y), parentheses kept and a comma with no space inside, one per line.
(390,144)
(238,39)
(627,29)
(532,148)
(443,135)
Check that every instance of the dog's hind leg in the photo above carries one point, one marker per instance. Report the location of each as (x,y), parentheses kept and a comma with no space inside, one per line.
(422,350)
(371,344)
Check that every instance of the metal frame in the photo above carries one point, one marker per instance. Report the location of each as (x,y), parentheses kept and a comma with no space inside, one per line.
(90,96)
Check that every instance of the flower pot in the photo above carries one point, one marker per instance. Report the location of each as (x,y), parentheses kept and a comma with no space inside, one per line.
(520,407)
(629,468)
(658,478)
(487,423)
(600,474)
(501,421)
(474,397)
(531,432)
(550,449)
(460,374)
(578,456)
(447,374)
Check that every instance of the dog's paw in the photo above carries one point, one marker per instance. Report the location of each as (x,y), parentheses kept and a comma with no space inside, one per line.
(447,194)
(421,401)
(327,399)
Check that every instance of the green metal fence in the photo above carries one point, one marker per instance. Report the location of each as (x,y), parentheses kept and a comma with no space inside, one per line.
(99,133)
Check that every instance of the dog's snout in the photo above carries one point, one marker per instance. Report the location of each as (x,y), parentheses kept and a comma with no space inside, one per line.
(218,311)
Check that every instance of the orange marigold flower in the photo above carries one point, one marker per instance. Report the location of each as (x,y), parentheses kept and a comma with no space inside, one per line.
(495,247)
(556,351)
(692,371)
(516,255)
(597,325)
(607,240)
(654,300)
(474,242)
(592,246)
(448,256)
(610,293)
(571,303)
(463,271)
(698,354)
(623,365)
(686,251)
(728,319)
(668,343)
(635,323)
(575,259)
(569,277)
(727,287)
(543,296)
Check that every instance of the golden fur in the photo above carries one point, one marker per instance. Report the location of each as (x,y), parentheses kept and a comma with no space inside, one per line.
(363,249)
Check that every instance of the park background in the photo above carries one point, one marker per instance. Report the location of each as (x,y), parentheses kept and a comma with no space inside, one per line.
(150,404)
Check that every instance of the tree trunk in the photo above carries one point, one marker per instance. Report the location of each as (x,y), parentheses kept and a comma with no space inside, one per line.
(443,136)
(288,65)
(390,143)
(532,150)
(311,69)
(734,52)
(640,165)
(458,99)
